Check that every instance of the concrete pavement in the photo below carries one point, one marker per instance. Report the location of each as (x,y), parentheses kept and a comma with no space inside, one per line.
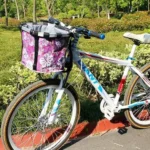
(128,139)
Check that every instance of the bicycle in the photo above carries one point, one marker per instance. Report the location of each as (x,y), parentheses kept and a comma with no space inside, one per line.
(44,114)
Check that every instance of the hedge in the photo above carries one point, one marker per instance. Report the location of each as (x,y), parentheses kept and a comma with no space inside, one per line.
(137,21)
(11,22)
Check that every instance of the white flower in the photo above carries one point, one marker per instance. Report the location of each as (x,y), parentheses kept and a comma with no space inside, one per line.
(41,50)
(44,42)
(25,54)
(24,36)
(29,65)
(58,43)
(31,43)
(46,60)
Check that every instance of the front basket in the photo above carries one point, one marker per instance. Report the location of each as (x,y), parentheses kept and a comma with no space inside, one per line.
(44,47)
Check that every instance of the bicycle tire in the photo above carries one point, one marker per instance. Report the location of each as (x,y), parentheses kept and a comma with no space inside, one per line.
(137,115)
(17,105)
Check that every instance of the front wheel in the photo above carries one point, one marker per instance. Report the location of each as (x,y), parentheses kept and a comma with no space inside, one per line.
(138,91)
(23,130)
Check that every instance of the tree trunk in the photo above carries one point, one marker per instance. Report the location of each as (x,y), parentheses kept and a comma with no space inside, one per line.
(34,10)
(24,11)
(18,14)
(6,13)
(148,5)
(83,11)
(116,7)
(137,8)
(47,6)
(98,10)
(130,6)
(82,14)
(108,14)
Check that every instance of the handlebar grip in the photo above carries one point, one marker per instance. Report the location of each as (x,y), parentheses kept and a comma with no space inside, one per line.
(97,35)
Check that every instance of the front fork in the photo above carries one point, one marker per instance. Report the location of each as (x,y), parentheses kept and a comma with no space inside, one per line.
(53,114)
(60,90)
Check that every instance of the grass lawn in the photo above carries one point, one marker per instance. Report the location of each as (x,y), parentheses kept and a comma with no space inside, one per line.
(114,41)
(10,46)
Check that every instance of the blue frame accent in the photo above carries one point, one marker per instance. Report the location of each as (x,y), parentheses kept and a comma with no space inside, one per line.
(136,104)
(54,110)
(93,80)
(98,86)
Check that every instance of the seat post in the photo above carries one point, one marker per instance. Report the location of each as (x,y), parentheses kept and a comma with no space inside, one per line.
(132,52)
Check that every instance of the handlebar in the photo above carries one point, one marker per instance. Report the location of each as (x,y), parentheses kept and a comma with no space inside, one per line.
(97,35)
(89,33)
(79,30)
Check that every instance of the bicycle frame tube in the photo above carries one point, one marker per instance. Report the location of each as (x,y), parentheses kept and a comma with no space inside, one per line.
(90,77)
(98,86)
(104,58)
(145,80)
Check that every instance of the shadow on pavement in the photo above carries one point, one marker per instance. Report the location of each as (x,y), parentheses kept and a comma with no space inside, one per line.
(86,131)
(89,128)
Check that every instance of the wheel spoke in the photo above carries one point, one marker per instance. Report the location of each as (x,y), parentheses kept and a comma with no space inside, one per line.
(27,131)
(139,116)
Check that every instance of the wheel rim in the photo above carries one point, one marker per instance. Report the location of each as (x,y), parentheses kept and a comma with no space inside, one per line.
(24,129)
(140,92)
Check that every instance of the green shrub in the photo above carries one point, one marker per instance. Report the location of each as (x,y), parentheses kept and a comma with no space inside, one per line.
(11,22)
(71,13)
(62,15)
(20,78)
(135,16)
(137,21)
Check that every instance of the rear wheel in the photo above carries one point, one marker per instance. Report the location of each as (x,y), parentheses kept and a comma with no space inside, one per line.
(21,126)
(138,91)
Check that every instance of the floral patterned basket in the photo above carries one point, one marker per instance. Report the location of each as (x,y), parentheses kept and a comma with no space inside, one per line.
(44,47)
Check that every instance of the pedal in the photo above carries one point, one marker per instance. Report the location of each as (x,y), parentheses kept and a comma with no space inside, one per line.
(109,112)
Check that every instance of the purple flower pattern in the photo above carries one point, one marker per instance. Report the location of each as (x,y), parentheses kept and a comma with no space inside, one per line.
(49,60)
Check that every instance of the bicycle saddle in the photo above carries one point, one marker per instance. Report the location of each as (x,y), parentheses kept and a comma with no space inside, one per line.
(142,38)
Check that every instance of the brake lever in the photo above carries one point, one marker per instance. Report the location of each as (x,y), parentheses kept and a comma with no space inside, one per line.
(87,37)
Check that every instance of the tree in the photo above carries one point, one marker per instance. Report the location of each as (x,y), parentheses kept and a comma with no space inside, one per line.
(49,5)
(105,4)
(23,8)
(130,6)
(98,8)
(6,12)
(17,8)
(137,3)
(34,10)
(2,10)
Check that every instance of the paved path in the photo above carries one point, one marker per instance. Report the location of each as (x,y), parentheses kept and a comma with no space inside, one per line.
(131,139)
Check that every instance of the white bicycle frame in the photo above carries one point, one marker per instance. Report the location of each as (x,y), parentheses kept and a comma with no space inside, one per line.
(112,104)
